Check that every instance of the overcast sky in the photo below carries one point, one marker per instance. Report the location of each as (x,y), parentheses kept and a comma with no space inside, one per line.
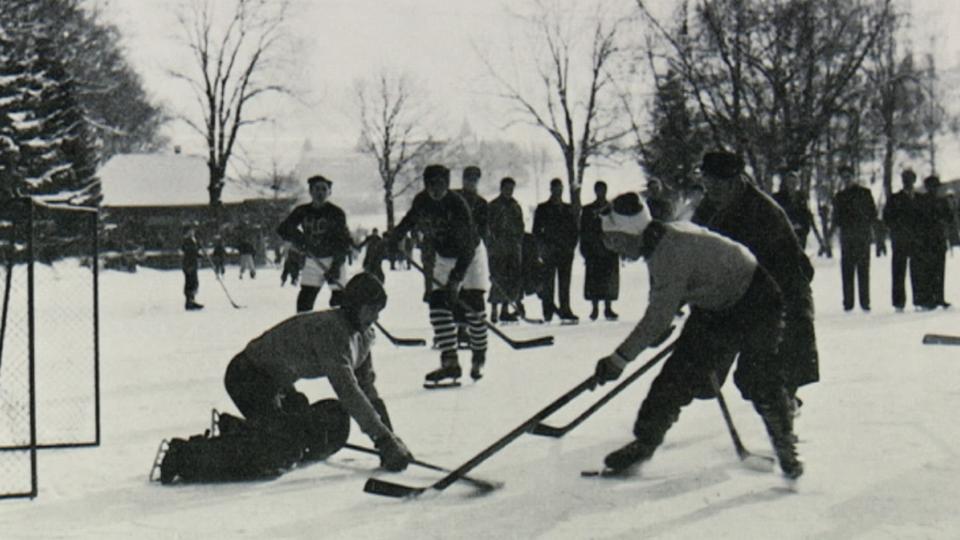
(339,41)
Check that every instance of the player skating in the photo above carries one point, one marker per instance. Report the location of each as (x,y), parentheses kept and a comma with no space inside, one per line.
(319,231)
(460,268)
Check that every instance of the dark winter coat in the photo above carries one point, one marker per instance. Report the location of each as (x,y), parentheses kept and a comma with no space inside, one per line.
(902,217)
(798,211)
(555,227)
(757,221)
(855,213)
(602,279)
(933,219)
(504,247)
(191,254)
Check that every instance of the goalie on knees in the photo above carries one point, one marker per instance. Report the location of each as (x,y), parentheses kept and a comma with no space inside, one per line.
(334,344)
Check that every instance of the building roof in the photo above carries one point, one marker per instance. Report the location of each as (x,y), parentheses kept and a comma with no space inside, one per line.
(162,180)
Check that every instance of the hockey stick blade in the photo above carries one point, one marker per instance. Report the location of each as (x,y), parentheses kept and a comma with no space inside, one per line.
(514,343)
(940,339)
(401,342)
(390,489)
(484,485)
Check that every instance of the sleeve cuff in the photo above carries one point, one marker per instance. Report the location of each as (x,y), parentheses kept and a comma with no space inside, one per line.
(618,359)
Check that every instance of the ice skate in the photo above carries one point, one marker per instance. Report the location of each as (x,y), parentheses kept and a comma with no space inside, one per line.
(438,378)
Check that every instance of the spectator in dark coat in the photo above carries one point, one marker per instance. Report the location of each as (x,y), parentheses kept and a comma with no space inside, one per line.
(738,210)
(292,263)
(934,218)
(794,203)
(555,228)
(855,214)
(602,279)
(902,219)
(247,252)
(505,240)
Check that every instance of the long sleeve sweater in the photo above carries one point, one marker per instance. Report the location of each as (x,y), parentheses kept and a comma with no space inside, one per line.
(322,344)
(692,265)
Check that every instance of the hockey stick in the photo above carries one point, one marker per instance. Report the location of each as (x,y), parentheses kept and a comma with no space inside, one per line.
(514,343)
(516,305)
(399,342)
(6,303)
(751,460)
(940,339)
(390,489)
(545,430)
(220,281)
(482,484)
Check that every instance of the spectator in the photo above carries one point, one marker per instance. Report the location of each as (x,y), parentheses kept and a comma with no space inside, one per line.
(855,214)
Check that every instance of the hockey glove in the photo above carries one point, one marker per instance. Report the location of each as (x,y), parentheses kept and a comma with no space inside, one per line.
(394,455)
(609,368)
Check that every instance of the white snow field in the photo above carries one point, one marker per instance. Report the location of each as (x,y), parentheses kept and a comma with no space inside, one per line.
(879,434)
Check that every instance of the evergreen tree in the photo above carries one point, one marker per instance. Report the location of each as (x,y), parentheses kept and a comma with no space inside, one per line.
(673,151)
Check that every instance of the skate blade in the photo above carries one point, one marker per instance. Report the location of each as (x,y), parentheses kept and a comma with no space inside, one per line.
(437,386)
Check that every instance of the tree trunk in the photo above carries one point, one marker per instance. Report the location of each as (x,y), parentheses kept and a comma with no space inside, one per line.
(215,187)
(388,203)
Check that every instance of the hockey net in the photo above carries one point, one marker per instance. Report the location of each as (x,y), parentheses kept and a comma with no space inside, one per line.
(49,349)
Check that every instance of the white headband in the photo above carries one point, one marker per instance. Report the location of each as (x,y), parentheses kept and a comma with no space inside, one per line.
(630,224)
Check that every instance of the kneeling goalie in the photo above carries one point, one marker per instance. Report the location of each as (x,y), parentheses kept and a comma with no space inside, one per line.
(281,428)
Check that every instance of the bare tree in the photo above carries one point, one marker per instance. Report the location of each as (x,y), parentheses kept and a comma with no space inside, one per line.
(393,129)
(577,105)
(769,77)
(235,48)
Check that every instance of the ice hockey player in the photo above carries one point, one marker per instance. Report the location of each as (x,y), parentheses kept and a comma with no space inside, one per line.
(191,253)
(333,343)
(319,231)
(736,308)
(460,268)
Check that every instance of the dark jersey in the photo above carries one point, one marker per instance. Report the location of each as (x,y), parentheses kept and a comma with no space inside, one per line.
(318,232)
(191,252)
(447,227)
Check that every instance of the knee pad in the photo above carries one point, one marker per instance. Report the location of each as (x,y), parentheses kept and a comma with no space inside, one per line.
(326,427)
(439,299)
(473,298)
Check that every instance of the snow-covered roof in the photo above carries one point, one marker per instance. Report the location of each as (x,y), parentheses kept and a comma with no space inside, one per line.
(162,180)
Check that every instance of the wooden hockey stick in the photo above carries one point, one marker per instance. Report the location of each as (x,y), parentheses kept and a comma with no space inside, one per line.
(390,489)
(754,461)
(557,432)
(514,343)
(476,482)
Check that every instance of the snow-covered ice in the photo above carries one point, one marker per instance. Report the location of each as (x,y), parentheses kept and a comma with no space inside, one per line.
(878,433)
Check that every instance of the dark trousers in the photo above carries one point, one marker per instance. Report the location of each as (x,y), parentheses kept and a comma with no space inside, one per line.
(557,265)
(901,259)
(855,261)
(709,342)
(257,396)
(191,284)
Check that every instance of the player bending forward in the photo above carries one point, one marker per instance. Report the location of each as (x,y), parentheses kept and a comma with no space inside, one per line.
(736,308)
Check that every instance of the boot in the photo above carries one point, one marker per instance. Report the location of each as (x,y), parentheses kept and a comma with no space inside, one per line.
(449,369)
(595,312)
(521,311)
(493,313)
(479,358)
(548,310)
(505,314)
(610,314)
(631,455)
(567,316)
(779,423)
